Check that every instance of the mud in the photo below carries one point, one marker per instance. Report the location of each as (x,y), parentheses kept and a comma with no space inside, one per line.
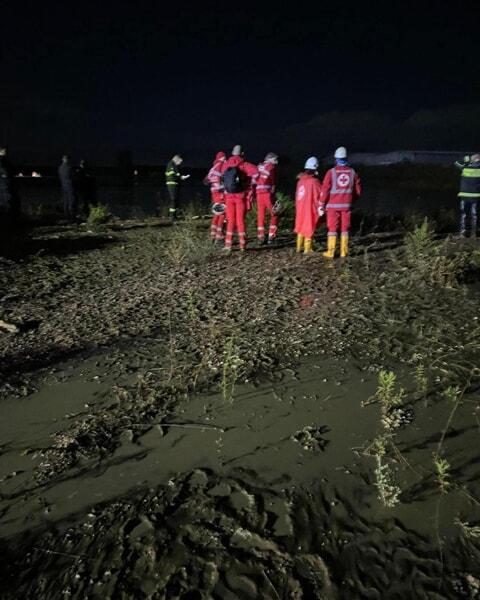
(205,430)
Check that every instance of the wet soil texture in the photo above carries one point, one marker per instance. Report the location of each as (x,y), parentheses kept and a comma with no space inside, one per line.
(186,424)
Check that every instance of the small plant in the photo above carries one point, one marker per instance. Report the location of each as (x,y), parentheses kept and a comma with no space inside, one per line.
(187,244)
(419,243)
(452,393)
(388,490)
(98,215)
(386,393)
(442,473)
(231,364)
(421,380)
(469,531)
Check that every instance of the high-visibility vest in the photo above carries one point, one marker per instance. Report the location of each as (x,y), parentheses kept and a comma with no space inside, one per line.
(172,174)
(470,182)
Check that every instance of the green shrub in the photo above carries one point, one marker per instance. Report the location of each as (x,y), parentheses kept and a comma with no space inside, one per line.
(98,215)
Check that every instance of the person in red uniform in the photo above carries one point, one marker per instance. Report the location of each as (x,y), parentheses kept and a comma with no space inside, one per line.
(265,194)
(307,205)
(214,180)
(238,179)
(341,186)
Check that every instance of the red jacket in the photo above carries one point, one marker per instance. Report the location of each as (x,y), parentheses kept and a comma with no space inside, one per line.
(341,186)
(307,203)
(267,174)
(214,176)
(248,171)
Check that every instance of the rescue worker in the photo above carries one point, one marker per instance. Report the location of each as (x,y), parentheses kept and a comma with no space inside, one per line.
(65,174)
(307,205)
(265,194)
(85,187)
(469,192)
(214,180)
(341,186)
(173,178)
(238,179)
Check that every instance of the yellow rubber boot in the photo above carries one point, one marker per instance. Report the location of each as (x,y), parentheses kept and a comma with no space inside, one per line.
(308,246)
(331,245)
(343,246)
(300,239)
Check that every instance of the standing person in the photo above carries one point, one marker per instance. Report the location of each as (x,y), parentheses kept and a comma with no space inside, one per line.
(9,201)
(173,178)
(238,179)
(214,180)
(265,193)
(65,173)
(85,187)
(341,186)
(469,192)
(307,205)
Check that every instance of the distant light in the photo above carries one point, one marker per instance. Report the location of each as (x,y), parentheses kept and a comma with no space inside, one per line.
(35,174)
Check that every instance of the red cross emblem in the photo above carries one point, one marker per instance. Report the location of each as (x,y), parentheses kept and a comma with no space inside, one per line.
(343,180)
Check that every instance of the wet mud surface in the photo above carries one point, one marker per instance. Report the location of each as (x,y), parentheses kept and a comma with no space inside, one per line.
(210,429)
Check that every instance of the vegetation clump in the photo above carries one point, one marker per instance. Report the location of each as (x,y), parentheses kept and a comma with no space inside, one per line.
(98,215)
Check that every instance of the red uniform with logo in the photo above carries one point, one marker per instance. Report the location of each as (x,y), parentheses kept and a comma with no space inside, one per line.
(265,193)
(236,204)
(214,179)
(341,186)
(307,202)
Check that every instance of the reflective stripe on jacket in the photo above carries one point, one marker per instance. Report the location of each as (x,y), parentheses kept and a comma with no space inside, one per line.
(470,182)
(172,174)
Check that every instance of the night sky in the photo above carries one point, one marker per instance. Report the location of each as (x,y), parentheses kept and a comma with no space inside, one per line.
(157,78)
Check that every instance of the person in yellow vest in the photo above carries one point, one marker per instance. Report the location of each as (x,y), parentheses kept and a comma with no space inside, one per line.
(469,193)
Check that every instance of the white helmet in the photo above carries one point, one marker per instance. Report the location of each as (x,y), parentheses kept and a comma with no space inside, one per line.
(341,152)
(311,163)
(218,208)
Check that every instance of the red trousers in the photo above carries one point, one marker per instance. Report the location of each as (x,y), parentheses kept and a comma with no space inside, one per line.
(216,229)
(265,203)
(338,219)
(236,206)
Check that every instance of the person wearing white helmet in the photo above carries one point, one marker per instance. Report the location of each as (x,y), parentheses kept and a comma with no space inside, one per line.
(341,186)
(265,193)
(307,205)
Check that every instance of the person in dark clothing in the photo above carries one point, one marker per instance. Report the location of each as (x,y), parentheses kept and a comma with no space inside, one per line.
(9,201)
(68,192)
(173,179)
(85,187)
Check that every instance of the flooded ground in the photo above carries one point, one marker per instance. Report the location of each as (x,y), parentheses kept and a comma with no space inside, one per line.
(209,426)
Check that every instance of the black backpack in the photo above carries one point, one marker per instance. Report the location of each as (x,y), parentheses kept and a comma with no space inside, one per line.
(232,181)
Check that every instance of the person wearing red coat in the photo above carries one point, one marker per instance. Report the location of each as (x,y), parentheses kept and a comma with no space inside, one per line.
(214,180)
(341,186)
(238,178)
(307,205)
(265,194)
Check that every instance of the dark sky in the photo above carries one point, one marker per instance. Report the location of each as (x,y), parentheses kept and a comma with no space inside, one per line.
(154,77)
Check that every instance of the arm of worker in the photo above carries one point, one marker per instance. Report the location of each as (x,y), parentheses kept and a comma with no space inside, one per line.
(357,186)
(465,163)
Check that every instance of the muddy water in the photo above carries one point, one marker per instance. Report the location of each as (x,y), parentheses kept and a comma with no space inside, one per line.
(262,430)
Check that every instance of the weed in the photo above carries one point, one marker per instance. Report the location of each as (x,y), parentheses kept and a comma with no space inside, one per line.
(231,364)
(442,472)
(187,244)
(388,490)
(469,531)
(421,380)
(386,393)
(98,215)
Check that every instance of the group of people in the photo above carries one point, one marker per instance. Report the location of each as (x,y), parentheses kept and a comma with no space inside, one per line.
(78,188)
(236,183)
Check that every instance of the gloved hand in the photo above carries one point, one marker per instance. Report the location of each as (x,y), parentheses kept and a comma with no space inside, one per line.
(466,159)
(183,177)
(321,211)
